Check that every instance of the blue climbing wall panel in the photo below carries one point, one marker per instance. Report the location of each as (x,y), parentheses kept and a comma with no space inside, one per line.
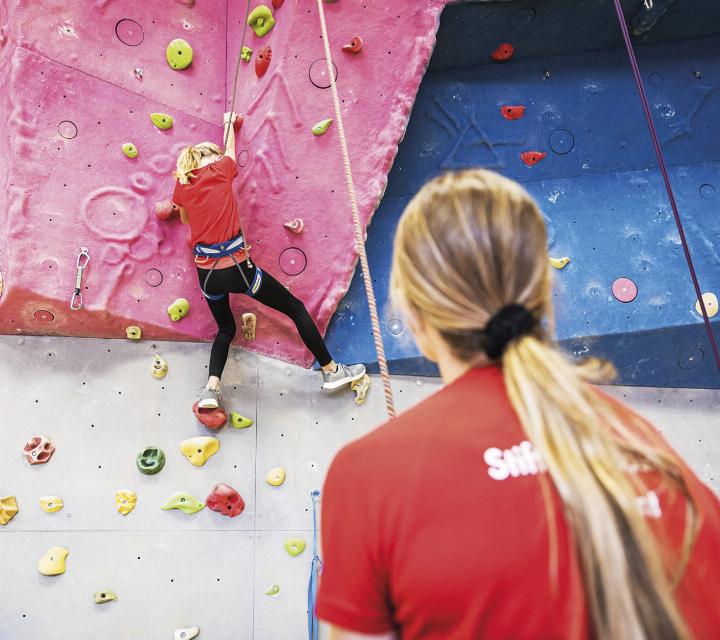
(599,186)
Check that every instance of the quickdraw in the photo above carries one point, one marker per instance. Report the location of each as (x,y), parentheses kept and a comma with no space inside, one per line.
(76,301)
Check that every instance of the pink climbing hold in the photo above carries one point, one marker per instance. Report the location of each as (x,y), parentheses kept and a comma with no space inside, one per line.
(355,45)
(624,290)
(212,418)
(296,225)
(165,209)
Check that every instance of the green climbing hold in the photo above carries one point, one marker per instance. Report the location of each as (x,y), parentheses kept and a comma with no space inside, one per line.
(246,53)
(161,120)
(272,590)
(130,150)
(178,309)
(295,546)
(261,20)
(321,127)
(179,54)
(185,502)
(150,461)
(239,421)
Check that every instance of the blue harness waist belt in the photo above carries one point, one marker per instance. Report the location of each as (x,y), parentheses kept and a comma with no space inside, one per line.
(223,250)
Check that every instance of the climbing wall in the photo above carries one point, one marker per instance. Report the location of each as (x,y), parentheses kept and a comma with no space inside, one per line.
(626,293)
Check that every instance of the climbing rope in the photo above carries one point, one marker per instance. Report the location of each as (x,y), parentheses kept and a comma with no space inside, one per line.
(237,71)
(666,177)
(359,240)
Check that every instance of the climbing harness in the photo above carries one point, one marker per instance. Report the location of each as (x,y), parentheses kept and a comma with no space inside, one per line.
(76,301)
(237,71)
(359,240)
(315,568)
(666,177)
(222,250)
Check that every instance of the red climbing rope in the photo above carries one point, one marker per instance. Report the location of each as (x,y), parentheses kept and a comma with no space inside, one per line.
(359,239)
(666,177)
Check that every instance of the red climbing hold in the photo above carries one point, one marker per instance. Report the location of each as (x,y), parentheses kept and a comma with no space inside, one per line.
(355,46)
(503,52)
(513,111)
(262,61)
(277,3)
(531,158)
(212,418)
(224,499)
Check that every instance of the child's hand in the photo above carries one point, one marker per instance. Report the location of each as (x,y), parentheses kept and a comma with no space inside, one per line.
(232,117)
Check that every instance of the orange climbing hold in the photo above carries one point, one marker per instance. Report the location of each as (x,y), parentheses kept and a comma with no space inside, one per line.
(512,111)
(355,45)
(531,158)
(503,52)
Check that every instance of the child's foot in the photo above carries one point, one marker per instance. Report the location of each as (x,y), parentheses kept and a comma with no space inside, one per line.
(342,375)
(209,399)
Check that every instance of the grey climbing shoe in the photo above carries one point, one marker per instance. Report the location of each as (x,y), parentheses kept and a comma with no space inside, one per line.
(344,375)
(209,399)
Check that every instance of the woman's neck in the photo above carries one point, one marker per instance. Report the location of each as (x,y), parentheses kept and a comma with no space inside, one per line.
(452,368)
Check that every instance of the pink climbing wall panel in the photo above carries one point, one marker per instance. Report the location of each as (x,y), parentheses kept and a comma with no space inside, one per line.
(74,99)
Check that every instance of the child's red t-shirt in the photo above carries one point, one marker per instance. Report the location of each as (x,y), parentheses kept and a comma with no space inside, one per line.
(434,526)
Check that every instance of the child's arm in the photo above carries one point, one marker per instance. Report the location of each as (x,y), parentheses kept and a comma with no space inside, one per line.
(232,121)
(183,215)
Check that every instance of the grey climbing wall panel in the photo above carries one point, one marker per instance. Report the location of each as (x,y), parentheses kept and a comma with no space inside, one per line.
(99,404)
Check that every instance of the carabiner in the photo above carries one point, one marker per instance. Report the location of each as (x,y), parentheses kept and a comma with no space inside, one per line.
(76,302)
(83,258)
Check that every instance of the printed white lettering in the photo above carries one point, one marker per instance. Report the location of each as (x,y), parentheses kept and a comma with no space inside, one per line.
(494,459)
(519,460)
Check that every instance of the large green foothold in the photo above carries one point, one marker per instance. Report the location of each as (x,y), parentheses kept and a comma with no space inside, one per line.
(321,127)
(179,54)
(246,53)
(295,546)
(130,150)
(161,120)
(239,421)
(272,590)
(261,20)
(150,461)
(185,502)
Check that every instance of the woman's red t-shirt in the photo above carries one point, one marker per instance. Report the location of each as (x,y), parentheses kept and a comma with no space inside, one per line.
(434,526)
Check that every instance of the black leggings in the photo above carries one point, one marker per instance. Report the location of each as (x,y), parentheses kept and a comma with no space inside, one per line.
(272,294)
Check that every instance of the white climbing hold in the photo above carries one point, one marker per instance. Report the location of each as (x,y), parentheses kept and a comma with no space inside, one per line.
(711,304)
(186,634)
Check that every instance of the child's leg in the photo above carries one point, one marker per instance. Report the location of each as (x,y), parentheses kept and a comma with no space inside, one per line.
(226,332)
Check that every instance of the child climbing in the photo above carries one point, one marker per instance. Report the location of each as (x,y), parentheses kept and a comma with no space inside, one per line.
(204,196)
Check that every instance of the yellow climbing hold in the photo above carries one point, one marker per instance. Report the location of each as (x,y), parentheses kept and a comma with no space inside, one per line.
(261,20)
(185,502)
(8,509)
(179,54)
(295,546)
(51,504)
(272,590)
(711,304)
(130,150)
(239,421)
(275,477)
(133,332)
(321,127)
(101,597)
(53,562)
(125,501)
(161,120)
(159,367)
(560,263)
(199,449)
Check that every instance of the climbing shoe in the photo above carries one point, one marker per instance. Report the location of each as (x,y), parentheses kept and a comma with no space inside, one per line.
(343,375)
(209,399)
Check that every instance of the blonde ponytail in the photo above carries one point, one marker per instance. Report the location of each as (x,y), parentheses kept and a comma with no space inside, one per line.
(468,245)
(190,159)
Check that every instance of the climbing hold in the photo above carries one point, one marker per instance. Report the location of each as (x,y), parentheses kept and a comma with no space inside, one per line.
(178,309)
(224,499)
(624,290)
(165,209)
(262,62)
(38,450)
(711,304)
(138,73)
(560,263)
(53,562)
(261,20)
(125,501)
(101,597)
(186,634)
(321,127)
(161,120)
(239,421)
(275,477)
(212,418)
(246,53)
(355,45)
(249,324)
(179,54)
(295,546)
(133,332)
(51,504)
(296,225)
(150,461)
(503,52)
(185,502)
(512,111)
(159,367)
(277,3)
(8,509)
(360,388)
(198,450)
(272,590)
(531,158)
(130,150)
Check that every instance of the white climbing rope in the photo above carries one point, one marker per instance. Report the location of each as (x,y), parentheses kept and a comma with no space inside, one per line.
(359,240)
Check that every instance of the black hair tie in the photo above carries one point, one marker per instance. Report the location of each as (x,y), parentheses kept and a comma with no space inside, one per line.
(512,321)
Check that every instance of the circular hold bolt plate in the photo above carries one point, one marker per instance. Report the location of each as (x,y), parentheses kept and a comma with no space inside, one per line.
(522,18)
(707,191)
(624,290)
(41,315)
(243,158)
(50,264)
(656,79)
(129,32)
(562,141)
(67,129)
(395,326)
(293,261)
(319,74)
(691,358)
(153,277)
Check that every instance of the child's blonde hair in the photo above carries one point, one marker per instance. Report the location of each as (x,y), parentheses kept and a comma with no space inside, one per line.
(189,160)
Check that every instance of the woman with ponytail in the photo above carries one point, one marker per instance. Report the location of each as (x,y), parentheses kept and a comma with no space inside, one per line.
(205,197)
(519,501)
